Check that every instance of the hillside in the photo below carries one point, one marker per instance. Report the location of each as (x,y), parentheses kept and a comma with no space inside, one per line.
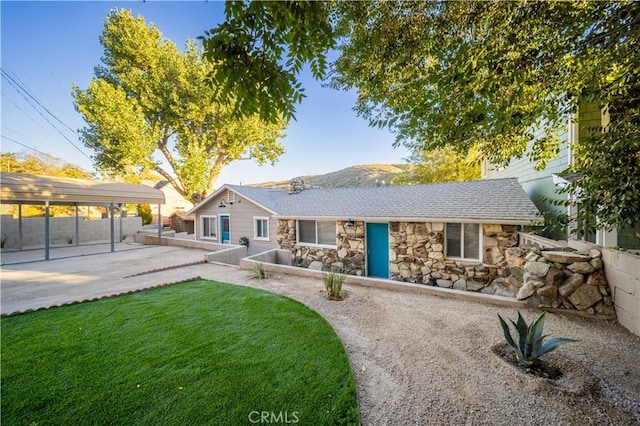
(361,175)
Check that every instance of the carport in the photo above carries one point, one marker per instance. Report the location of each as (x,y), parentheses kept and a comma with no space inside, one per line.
(24,189)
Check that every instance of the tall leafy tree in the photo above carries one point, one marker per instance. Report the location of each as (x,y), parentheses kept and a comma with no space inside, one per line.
(262,47)
(440,165)
(503,76)
(43,165)
(150,107)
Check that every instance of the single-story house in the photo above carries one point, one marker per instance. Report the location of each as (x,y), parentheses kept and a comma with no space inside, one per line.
(441,233)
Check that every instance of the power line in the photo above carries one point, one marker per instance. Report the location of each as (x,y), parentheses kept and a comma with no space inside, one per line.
(15,80)
(26,146)
(20,90)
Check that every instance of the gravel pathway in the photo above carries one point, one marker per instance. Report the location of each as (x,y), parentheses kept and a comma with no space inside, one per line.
(417,359)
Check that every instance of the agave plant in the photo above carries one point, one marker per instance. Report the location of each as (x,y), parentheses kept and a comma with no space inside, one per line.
(529,342)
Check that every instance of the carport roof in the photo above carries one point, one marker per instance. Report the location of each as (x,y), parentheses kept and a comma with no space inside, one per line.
(31,189)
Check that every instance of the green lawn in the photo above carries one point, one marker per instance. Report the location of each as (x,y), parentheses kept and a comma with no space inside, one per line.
(194,353)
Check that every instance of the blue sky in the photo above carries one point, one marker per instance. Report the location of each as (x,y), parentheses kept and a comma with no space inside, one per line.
(47,46)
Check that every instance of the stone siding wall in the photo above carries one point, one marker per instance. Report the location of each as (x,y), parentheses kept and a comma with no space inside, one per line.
(417,255)
(541,277)
(349,252)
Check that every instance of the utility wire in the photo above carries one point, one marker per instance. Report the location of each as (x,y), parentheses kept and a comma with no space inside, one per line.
(19,89)
(13,80)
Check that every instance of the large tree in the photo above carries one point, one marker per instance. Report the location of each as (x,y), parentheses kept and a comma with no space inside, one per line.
(503,76)
(150,107)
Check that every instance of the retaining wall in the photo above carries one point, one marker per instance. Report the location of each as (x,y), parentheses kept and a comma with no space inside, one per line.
(623,274)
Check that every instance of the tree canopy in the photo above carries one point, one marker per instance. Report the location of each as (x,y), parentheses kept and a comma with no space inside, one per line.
(149,107)
(440,165)
(502,76)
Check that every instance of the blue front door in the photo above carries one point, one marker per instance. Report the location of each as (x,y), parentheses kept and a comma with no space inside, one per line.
(378,250)
(224,229)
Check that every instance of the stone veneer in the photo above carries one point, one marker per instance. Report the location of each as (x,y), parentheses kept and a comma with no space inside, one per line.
(543,278)
(417,255)
(347,255)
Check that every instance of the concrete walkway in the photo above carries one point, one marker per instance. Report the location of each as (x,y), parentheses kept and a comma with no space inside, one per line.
(87,272)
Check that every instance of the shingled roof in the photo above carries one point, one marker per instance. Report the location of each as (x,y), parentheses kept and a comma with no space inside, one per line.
(487,201)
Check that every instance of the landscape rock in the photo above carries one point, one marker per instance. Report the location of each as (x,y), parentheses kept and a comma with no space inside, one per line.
(554,277)
(581,268)
(550,291)
(595,254)
(597,278)
(444,283)
(571,284)
(564,257)
(525,291)
(585,297)
(538,269)
(596,263)
(460,285)
(316,265)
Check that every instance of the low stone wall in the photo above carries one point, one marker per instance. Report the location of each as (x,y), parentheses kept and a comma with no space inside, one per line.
(623,273)
(556,279)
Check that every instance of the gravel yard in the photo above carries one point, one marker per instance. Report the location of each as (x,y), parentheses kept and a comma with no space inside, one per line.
(417,359)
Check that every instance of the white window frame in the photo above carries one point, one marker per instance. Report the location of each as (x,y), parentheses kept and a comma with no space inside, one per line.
(462,256)
(316,244)
(264,228)
(216,220)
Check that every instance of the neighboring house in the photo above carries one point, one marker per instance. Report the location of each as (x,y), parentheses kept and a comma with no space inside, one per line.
(174,201)
(450,234)
(545,183)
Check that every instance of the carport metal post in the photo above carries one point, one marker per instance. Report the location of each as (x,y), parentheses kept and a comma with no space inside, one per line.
(112,228)
(120,208)
(46,230)
(77,226)
(159,226)
(19,226)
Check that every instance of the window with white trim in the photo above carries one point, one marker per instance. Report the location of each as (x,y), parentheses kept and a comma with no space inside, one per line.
(209,227)
(261,228)
(462,240)
(317,232)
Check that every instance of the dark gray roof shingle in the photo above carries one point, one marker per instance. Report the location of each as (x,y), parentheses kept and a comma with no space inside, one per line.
(483,200)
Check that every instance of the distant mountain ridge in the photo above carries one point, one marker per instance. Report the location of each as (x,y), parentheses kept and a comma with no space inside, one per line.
(360,175)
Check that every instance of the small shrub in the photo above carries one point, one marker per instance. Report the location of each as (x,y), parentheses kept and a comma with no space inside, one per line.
(528,343)
(258,272)
(144,211)
(70,240)
(333,281)
(244,241)
(3,241)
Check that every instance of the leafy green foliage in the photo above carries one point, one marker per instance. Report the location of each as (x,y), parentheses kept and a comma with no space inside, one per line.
(529,342)
(503,76)
(259,51)
(40,164)
(244,241)
(195,353)
(440,165)
(144,211)
(149,100)
(333,282)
